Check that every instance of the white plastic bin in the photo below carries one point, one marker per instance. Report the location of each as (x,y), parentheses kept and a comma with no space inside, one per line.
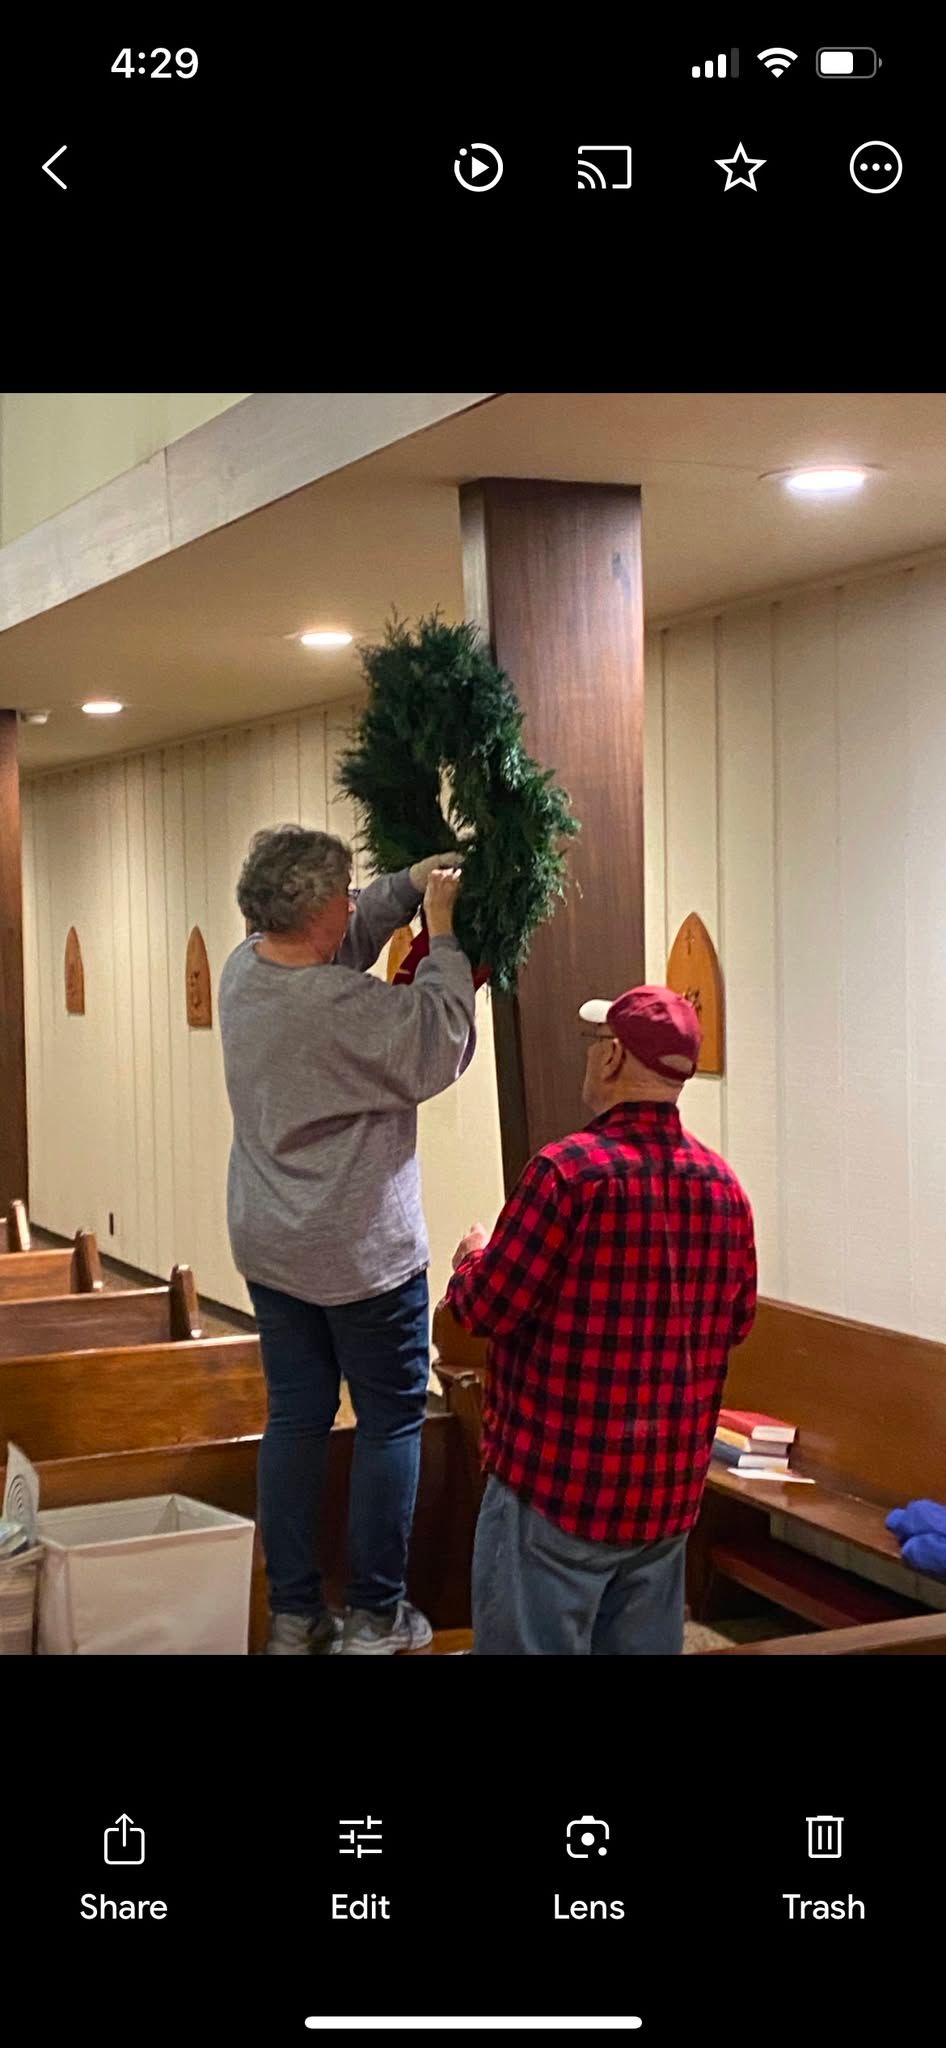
(164,1577)
(19,1577)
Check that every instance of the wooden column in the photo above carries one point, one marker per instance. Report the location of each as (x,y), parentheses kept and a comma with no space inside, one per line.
(13,1184)
(552,575)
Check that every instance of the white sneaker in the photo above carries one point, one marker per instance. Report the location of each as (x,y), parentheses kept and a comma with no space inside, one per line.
(293,1635)
(383,1635)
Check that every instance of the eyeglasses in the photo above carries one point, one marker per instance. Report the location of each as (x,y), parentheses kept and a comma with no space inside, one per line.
(598,1037)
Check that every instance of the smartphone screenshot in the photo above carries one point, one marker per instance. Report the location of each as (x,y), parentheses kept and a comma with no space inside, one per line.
(472,963)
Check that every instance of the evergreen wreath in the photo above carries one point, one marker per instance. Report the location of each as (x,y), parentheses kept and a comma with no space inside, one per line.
(440,711)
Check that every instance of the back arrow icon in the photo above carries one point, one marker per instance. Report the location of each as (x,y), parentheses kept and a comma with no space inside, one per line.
(57,153)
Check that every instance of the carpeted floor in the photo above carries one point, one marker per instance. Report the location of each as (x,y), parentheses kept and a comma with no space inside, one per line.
(698,1638)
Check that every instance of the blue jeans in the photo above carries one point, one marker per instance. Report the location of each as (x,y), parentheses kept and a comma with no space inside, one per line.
(381,1347)
(538,1592)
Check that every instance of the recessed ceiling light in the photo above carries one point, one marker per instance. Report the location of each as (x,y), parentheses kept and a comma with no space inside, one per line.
(34,717)
(819,483)
(326,639)
(102,707)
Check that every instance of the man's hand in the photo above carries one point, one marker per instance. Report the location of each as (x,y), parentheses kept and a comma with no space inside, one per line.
(440,897)
(423,869)
(476,1240)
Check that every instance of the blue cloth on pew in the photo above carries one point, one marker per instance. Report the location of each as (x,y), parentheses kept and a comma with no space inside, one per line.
(926,1553)
(920,1518)
(920,1530)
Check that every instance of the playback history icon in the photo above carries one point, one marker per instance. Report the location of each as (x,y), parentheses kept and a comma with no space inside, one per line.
(479,168)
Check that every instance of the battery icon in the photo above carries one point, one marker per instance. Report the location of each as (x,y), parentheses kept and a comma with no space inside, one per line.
(859,63)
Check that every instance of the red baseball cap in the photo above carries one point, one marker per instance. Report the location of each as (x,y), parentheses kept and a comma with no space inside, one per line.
(661,1029)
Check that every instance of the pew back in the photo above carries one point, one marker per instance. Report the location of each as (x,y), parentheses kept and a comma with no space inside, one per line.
(923,1635)
(17,1228)
(78,1403)
(79,1322)
(69,1269)
(869,1404)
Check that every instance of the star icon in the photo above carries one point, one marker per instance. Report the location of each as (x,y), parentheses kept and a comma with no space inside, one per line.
(746,175)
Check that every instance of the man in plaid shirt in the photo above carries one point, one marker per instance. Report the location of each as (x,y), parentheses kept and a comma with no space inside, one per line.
(619,1275)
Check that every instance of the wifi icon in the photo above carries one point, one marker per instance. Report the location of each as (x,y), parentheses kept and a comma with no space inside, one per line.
(777,61)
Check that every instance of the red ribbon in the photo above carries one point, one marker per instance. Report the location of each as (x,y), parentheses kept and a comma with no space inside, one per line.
(420,947)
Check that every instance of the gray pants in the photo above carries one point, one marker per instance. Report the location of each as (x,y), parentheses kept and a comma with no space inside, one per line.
(538,1592)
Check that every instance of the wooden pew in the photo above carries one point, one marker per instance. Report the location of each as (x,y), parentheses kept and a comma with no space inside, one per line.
(126,1422)
(74,1403)
(148,1419)
(27,1275)
(870,1406)
(922,1635)
(460,1366)
(83,1322)
(223,1473)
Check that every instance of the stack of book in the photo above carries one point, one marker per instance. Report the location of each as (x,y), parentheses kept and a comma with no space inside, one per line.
(752,1443)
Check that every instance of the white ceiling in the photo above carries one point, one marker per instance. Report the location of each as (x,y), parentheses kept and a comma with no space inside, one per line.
(199,639)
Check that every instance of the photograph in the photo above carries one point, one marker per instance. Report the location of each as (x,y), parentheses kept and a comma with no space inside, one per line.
(475,963)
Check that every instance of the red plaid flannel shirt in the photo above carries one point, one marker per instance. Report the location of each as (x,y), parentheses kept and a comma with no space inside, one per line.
(619,1275)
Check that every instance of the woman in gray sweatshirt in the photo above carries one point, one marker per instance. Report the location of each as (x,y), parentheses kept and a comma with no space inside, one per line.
(325,1065)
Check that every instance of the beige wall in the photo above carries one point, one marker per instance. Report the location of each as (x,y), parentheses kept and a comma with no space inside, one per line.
(127,1106)
(795,776)
(57,446)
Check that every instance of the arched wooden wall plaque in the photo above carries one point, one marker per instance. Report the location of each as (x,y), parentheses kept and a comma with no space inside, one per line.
(399,948)
(75,975)
(693,971)
(199,1006)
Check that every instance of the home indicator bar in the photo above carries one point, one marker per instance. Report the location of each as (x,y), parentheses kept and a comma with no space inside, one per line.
(469,2024)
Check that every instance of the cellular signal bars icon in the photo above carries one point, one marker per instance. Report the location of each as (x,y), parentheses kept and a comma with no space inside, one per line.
(717,67)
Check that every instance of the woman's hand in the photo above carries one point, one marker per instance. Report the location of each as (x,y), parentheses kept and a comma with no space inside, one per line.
(423,869)
(440,897)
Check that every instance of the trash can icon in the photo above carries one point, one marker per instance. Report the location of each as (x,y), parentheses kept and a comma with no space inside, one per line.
(824,1835)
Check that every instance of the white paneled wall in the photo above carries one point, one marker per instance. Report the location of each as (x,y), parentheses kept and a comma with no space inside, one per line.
(128,1112)
(795,796)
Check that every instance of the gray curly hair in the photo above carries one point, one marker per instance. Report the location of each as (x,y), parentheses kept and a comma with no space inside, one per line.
(289,875)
